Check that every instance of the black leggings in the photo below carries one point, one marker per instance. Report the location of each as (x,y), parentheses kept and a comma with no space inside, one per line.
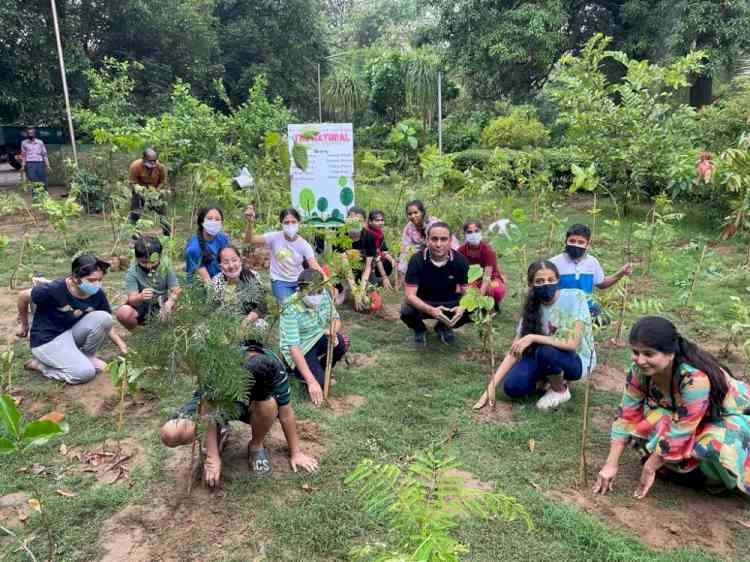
(316,358)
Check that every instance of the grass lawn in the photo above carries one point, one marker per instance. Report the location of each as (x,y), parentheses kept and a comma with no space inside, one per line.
(389,403)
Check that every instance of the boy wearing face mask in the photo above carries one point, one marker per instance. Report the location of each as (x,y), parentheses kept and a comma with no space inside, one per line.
(579,270)
(478,252)
(149,291)
(71,322)
(304,329)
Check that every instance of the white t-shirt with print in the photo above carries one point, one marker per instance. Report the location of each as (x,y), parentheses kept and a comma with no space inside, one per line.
(286,256)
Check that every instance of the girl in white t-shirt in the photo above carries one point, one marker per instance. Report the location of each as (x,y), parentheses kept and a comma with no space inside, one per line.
(289,251)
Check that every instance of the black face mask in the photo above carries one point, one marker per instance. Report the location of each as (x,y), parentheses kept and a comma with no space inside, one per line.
(546,293)
(148,270)
(574,252)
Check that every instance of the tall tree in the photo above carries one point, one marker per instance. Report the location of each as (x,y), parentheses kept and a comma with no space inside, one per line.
(283,39)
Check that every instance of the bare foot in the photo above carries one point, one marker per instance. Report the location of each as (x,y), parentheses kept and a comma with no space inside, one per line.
(211,471)
(32,365)
(97,363)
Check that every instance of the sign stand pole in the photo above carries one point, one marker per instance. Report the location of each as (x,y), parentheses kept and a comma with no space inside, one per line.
(64,82)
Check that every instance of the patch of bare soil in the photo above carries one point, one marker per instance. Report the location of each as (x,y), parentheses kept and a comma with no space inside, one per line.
(655,524)
(389,312)
(92,396)
(721,248)
(359,360)
(341,405)
(608,378)
(476,354)
(14,510)
(469,480)
(109,461)
(501,413)
(8,316)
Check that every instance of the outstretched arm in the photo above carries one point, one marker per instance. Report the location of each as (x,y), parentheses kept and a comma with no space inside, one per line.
(610,280)
(118,341)
(296,456)
(24,298)
(250,238)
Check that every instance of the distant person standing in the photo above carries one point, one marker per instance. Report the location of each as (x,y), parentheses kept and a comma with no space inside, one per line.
(35,160)
(150,173)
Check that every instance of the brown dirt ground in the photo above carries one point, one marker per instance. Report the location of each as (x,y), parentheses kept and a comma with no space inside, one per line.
(172,524)
(8,316)
(390,312)
(109,461)
(608,378)
(359,359)
(341,405)
(649,519)
(503,413)
(478,355)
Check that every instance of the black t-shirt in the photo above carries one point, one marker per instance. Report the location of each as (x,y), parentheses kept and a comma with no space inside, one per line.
(437,284)
(366,244)
(58,311)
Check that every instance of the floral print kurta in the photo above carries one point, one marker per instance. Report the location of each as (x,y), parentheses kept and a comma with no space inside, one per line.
(677,427)
(412,241)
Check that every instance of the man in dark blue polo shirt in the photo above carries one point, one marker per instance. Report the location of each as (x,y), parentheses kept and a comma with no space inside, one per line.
(435,281)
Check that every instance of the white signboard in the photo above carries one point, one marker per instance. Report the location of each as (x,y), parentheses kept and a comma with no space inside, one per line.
(324,190)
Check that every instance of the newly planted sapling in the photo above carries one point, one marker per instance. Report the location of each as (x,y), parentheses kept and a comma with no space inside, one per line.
(17,436)
(423,506)
(59,213)
(124,377)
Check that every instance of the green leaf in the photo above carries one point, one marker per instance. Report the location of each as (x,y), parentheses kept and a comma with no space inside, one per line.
(10,417)
(299,155)
(475,272)
(39,432)
(6,446)
(413,142)
(272,139)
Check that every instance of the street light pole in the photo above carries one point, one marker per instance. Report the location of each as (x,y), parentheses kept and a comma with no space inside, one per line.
(64,81)
(320,99)
(440,111)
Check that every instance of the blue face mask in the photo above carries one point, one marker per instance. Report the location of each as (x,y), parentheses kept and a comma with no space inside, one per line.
(574,252)
(546,293)
(90,288)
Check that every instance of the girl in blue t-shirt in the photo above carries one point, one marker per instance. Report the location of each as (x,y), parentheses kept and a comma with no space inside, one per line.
(553,342)
(202,250)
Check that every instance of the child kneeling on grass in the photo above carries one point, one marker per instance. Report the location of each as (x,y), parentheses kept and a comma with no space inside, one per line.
(149,292)
(581,271)
(553,343)
(269,399)
(304,330)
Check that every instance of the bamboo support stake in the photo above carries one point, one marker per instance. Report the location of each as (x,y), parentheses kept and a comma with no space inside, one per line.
(329,351)
(696,274)
(582,469)
(71,130)
(191,475)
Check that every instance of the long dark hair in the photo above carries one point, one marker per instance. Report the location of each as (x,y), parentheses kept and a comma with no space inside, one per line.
(207,256)
(531,316)
(660,334)
(420,207)
(245,274)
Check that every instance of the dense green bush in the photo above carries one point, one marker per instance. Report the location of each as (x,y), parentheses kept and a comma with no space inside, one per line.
(519,129)
(462,131)
(723,123)
(474,157)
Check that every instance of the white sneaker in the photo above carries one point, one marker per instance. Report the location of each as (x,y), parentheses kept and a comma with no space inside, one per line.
(553,399)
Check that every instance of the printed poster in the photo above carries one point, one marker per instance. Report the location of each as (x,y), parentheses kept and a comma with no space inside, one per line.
(324,190)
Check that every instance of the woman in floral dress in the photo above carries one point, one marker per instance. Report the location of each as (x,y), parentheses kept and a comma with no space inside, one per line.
(682,410)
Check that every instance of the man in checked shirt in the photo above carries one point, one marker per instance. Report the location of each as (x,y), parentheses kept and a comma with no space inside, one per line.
(35,160)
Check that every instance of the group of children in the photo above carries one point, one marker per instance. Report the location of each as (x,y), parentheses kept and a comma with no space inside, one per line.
(680,406)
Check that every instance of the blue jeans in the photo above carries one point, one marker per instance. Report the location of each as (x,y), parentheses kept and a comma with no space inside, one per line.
(543,360)
(282,290)
(37,172)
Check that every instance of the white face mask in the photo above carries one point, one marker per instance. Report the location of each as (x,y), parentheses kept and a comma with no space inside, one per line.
(233,274)
(313,301)
(290,230)
(474,238)
(211,227)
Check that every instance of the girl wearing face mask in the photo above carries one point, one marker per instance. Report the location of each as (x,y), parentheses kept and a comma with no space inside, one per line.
(71,322)
(304,331)
(478,252)
(683,410)
(239,288)
(289,251)
(203,248)
(385,262)
(414,237)
(553,344)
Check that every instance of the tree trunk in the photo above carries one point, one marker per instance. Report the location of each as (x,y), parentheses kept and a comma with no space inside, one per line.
(701,92)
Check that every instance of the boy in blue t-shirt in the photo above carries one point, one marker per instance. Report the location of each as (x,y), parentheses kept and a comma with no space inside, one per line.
(581,271)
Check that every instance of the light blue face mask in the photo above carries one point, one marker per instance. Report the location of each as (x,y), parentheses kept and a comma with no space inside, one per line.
(90,288)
